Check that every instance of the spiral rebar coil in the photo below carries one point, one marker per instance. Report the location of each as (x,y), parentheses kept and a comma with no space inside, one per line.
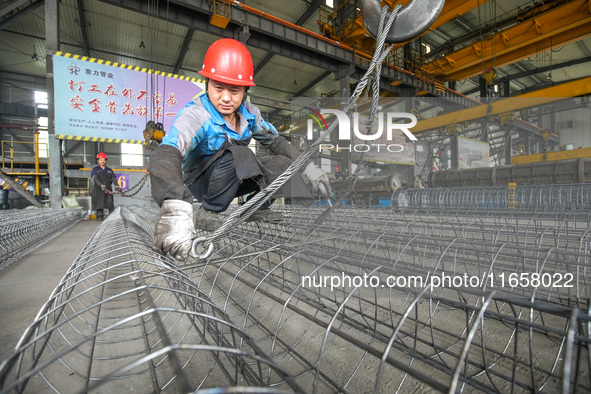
(522,197)
(24,230)
(257,316)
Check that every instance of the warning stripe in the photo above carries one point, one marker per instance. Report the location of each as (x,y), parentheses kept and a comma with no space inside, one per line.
(98,139)
(127,66)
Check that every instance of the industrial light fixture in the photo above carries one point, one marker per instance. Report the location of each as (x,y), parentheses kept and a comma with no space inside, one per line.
(35,57)
(142,45)
(295,83)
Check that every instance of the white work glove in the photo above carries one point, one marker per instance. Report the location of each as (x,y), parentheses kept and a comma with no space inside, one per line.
(104,188)
(318,180)
(175,231)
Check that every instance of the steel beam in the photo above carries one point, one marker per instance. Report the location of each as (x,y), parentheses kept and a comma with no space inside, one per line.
(552,156)
(539,97)
(19,189)
(578,32)
(554,27)
(271,102)
(271,35)
(82,22)
(537,70)
(451,10)
(301,20)
(17,10)
(274,36)
(184,49)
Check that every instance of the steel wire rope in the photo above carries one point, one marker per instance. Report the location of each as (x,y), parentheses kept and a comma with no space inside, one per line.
(251,206)
(374,74)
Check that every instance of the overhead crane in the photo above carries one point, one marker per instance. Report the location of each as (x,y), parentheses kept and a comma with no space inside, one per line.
(347,27)
(345,24)
(539,97)
(544,27)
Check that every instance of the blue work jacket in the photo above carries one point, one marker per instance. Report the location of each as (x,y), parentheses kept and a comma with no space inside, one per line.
(199,130)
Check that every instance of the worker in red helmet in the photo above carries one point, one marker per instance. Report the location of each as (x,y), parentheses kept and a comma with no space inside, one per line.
(209,142)
(338,175)
(102,194)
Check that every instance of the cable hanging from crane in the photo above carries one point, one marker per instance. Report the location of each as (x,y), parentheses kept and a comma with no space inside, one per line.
(206,242)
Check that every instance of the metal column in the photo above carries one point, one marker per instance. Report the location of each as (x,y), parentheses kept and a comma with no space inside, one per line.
(52,44)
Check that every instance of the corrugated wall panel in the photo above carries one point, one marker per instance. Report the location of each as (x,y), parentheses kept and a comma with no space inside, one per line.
(574,127)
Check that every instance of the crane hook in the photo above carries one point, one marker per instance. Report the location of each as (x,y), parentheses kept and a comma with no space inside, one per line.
(412,20)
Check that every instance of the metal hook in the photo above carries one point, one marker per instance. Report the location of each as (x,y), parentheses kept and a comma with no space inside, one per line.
(412,20)
(205,254)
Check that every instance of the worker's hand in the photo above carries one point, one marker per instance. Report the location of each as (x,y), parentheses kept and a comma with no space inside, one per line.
(264,125)
(104,188)
(117,189)
(174,232)
(318,180)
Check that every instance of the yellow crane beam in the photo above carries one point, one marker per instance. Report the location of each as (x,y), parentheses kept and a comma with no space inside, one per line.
(356,30)
(552,156)
(541,32)
(451,10)
(557,40)
(454,8)
(539,97)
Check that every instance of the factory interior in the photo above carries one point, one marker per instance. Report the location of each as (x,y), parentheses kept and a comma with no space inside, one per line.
(448,252)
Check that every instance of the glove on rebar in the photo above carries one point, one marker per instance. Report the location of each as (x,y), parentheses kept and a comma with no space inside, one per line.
(318,180)
(175,231)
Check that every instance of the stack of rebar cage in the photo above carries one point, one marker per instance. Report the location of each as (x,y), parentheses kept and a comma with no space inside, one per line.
(575,196)
(22,231)
(372,300)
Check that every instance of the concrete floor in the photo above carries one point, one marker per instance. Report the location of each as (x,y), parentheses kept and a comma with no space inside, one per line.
(27,283)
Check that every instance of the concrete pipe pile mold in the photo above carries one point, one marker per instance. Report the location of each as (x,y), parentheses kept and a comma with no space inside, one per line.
(371,301)
(24,230)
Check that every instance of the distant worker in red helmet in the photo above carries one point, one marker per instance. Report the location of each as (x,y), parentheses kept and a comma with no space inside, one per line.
(209,142)
(102,194)
(338,175)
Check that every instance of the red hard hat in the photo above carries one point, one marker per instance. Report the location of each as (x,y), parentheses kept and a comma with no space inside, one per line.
(228,61)
(336,168)
(101,156)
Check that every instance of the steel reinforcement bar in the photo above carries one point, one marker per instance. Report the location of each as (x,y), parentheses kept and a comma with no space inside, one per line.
(125,318)
(512,197)
(24,230)
(358,305)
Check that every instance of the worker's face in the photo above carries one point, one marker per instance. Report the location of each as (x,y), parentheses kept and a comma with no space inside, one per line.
(225,98)
(102,162)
